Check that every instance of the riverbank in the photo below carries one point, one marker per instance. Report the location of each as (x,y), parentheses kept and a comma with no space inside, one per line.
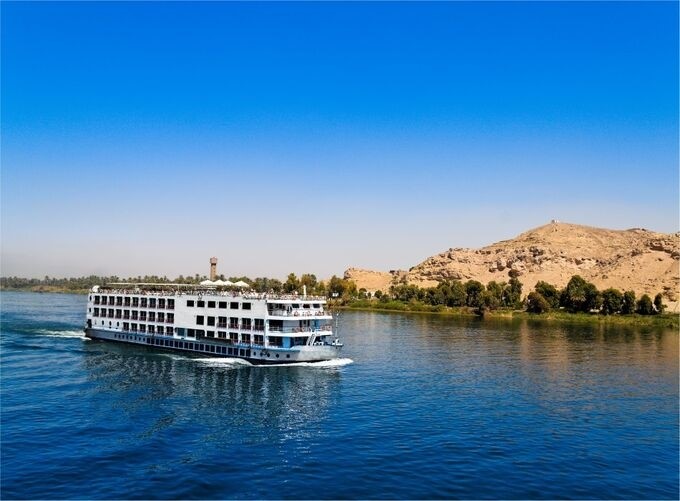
(46,288)
(668,320)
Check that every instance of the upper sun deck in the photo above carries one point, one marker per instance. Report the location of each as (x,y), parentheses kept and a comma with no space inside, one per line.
(179,290)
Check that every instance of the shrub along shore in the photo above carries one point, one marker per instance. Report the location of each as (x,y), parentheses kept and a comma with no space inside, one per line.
(670,320)
(578,301)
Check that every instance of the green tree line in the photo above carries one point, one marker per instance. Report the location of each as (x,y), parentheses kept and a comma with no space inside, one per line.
(335,287)
(581,296)
(578,296)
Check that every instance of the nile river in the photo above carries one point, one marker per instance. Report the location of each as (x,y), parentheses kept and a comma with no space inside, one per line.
(430,407)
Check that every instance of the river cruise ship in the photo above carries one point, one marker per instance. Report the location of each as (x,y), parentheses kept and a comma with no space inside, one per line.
(214,321)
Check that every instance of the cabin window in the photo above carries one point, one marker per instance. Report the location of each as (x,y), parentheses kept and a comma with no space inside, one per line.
(152,329)
(221,334)
(161,317)
(143,302)
(246,306)
(152,316)
(316,305)
(170,318)
(245,323)
(259,324)
(135,302)
(222,321)
(233,323)
(126,326)
(211,320)
(171,304)
(142,328)
(233,306)
(211,304)
(295,305)
(190,302)
(127,301)
(199,320)
(200,304)
(306,305)
(142,316)
(233,336)
(223,304)
(210,333)
(161,303)
(152,302)
(168,330)
(132,326)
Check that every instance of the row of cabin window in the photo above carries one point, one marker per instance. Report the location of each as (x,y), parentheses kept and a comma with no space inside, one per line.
(224,350)
(151,329)
(233,305)
(187,345)
(233,337)
(144,316)
(246,323)
(143,302)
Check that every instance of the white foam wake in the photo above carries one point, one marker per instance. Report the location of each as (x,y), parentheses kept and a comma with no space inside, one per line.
(336,362)
(222,361)
(62,334)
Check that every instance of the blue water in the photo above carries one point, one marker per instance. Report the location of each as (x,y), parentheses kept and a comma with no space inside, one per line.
(431,407)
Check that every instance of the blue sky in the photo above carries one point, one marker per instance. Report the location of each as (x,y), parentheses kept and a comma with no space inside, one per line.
(146,137)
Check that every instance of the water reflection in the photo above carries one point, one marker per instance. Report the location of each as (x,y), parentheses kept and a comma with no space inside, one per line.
(228,401)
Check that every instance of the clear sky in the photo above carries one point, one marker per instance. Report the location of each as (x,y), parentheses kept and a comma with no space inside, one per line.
(309,137)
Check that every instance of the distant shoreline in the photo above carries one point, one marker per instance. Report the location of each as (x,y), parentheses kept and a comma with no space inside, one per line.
(46,288)
(668,320)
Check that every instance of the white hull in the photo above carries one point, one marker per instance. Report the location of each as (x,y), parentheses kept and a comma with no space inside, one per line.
(253,353)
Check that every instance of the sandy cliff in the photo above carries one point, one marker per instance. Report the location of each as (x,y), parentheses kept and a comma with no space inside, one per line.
(637,259)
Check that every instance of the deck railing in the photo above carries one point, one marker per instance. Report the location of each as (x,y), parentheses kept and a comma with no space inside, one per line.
(295,330)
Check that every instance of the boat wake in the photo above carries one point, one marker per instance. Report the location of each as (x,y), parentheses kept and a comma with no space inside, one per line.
(235,362)
(74,334)
(223,362)
(337,362)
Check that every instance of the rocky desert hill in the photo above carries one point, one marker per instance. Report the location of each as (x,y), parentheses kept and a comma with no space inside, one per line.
(637,259)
